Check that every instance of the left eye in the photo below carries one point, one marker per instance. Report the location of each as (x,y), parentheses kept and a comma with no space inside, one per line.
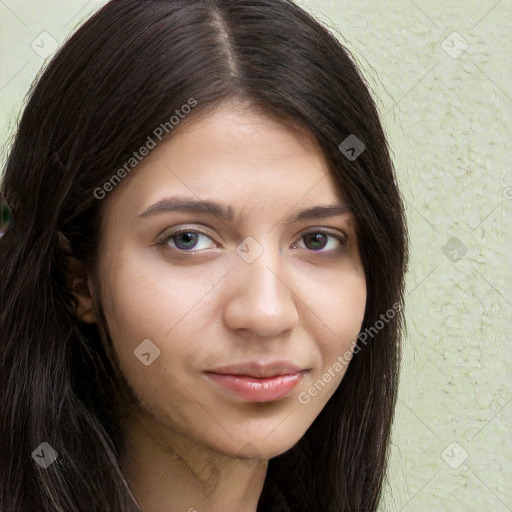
(318,240)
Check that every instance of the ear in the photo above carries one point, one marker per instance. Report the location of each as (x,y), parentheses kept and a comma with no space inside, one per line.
(83,290)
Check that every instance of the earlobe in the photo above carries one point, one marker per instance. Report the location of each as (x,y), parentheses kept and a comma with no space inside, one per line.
(83,291)
(85,307)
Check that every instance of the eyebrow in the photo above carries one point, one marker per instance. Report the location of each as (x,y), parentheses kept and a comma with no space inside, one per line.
(225,212)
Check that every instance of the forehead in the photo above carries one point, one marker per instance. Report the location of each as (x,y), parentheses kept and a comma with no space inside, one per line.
(236,156)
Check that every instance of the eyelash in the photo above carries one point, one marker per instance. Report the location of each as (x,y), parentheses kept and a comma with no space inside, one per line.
(342,239)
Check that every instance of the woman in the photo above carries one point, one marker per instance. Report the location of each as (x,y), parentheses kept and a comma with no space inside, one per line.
(203,277)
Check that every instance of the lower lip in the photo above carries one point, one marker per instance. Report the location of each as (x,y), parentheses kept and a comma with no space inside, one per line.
(258,390)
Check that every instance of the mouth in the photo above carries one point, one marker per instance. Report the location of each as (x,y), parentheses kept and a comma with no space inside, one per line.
(258,382)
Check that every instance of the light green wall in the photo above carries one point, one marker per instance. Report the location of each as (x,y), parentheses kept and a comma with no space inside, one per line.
(448,118)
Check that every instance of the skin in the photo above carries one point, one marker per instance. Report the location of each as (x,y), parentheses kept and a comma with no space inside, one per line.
(191,444)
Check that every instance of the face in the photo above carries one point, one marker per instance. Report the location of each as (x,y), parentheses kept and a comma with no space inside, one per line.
(230,320)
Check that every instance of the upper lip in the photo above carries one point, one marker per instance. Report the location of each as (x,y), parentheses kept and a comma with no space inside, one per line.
(259,370)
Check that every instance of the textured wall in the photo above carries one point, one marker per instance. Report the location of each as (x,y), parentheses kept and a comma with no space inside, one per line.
(441,74)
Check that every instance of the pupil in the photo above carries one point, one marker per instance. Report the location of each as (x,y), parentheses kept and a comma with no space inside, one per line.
(317,238)
(190,240)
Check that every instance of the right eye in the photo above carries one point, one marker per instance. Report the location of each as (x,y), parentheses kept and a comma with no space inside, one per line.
(186,240)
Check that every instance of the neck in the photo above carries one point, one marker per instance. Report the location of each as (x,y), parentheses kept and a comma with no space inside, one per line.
(168,472)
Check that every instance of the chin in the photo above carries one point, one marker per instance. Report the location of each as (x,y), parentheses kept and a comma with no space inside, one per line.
(259,447)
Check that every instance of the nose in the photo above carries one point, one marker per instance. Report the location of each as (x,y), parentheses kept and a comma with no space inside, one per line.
(261,300)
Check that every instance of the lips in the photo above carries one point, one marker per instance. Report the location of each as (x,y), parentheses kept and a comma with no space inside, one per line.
(258,382)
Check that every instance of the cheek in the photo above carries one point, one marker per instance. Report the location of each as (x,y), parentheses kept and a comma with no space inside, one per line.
(338,315)
(338,302)
(174,309)
(144,300)
(144,296)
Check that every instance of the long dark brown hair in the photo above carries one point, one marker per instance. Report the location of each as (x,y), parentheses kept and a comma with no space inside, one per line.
(121,75)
